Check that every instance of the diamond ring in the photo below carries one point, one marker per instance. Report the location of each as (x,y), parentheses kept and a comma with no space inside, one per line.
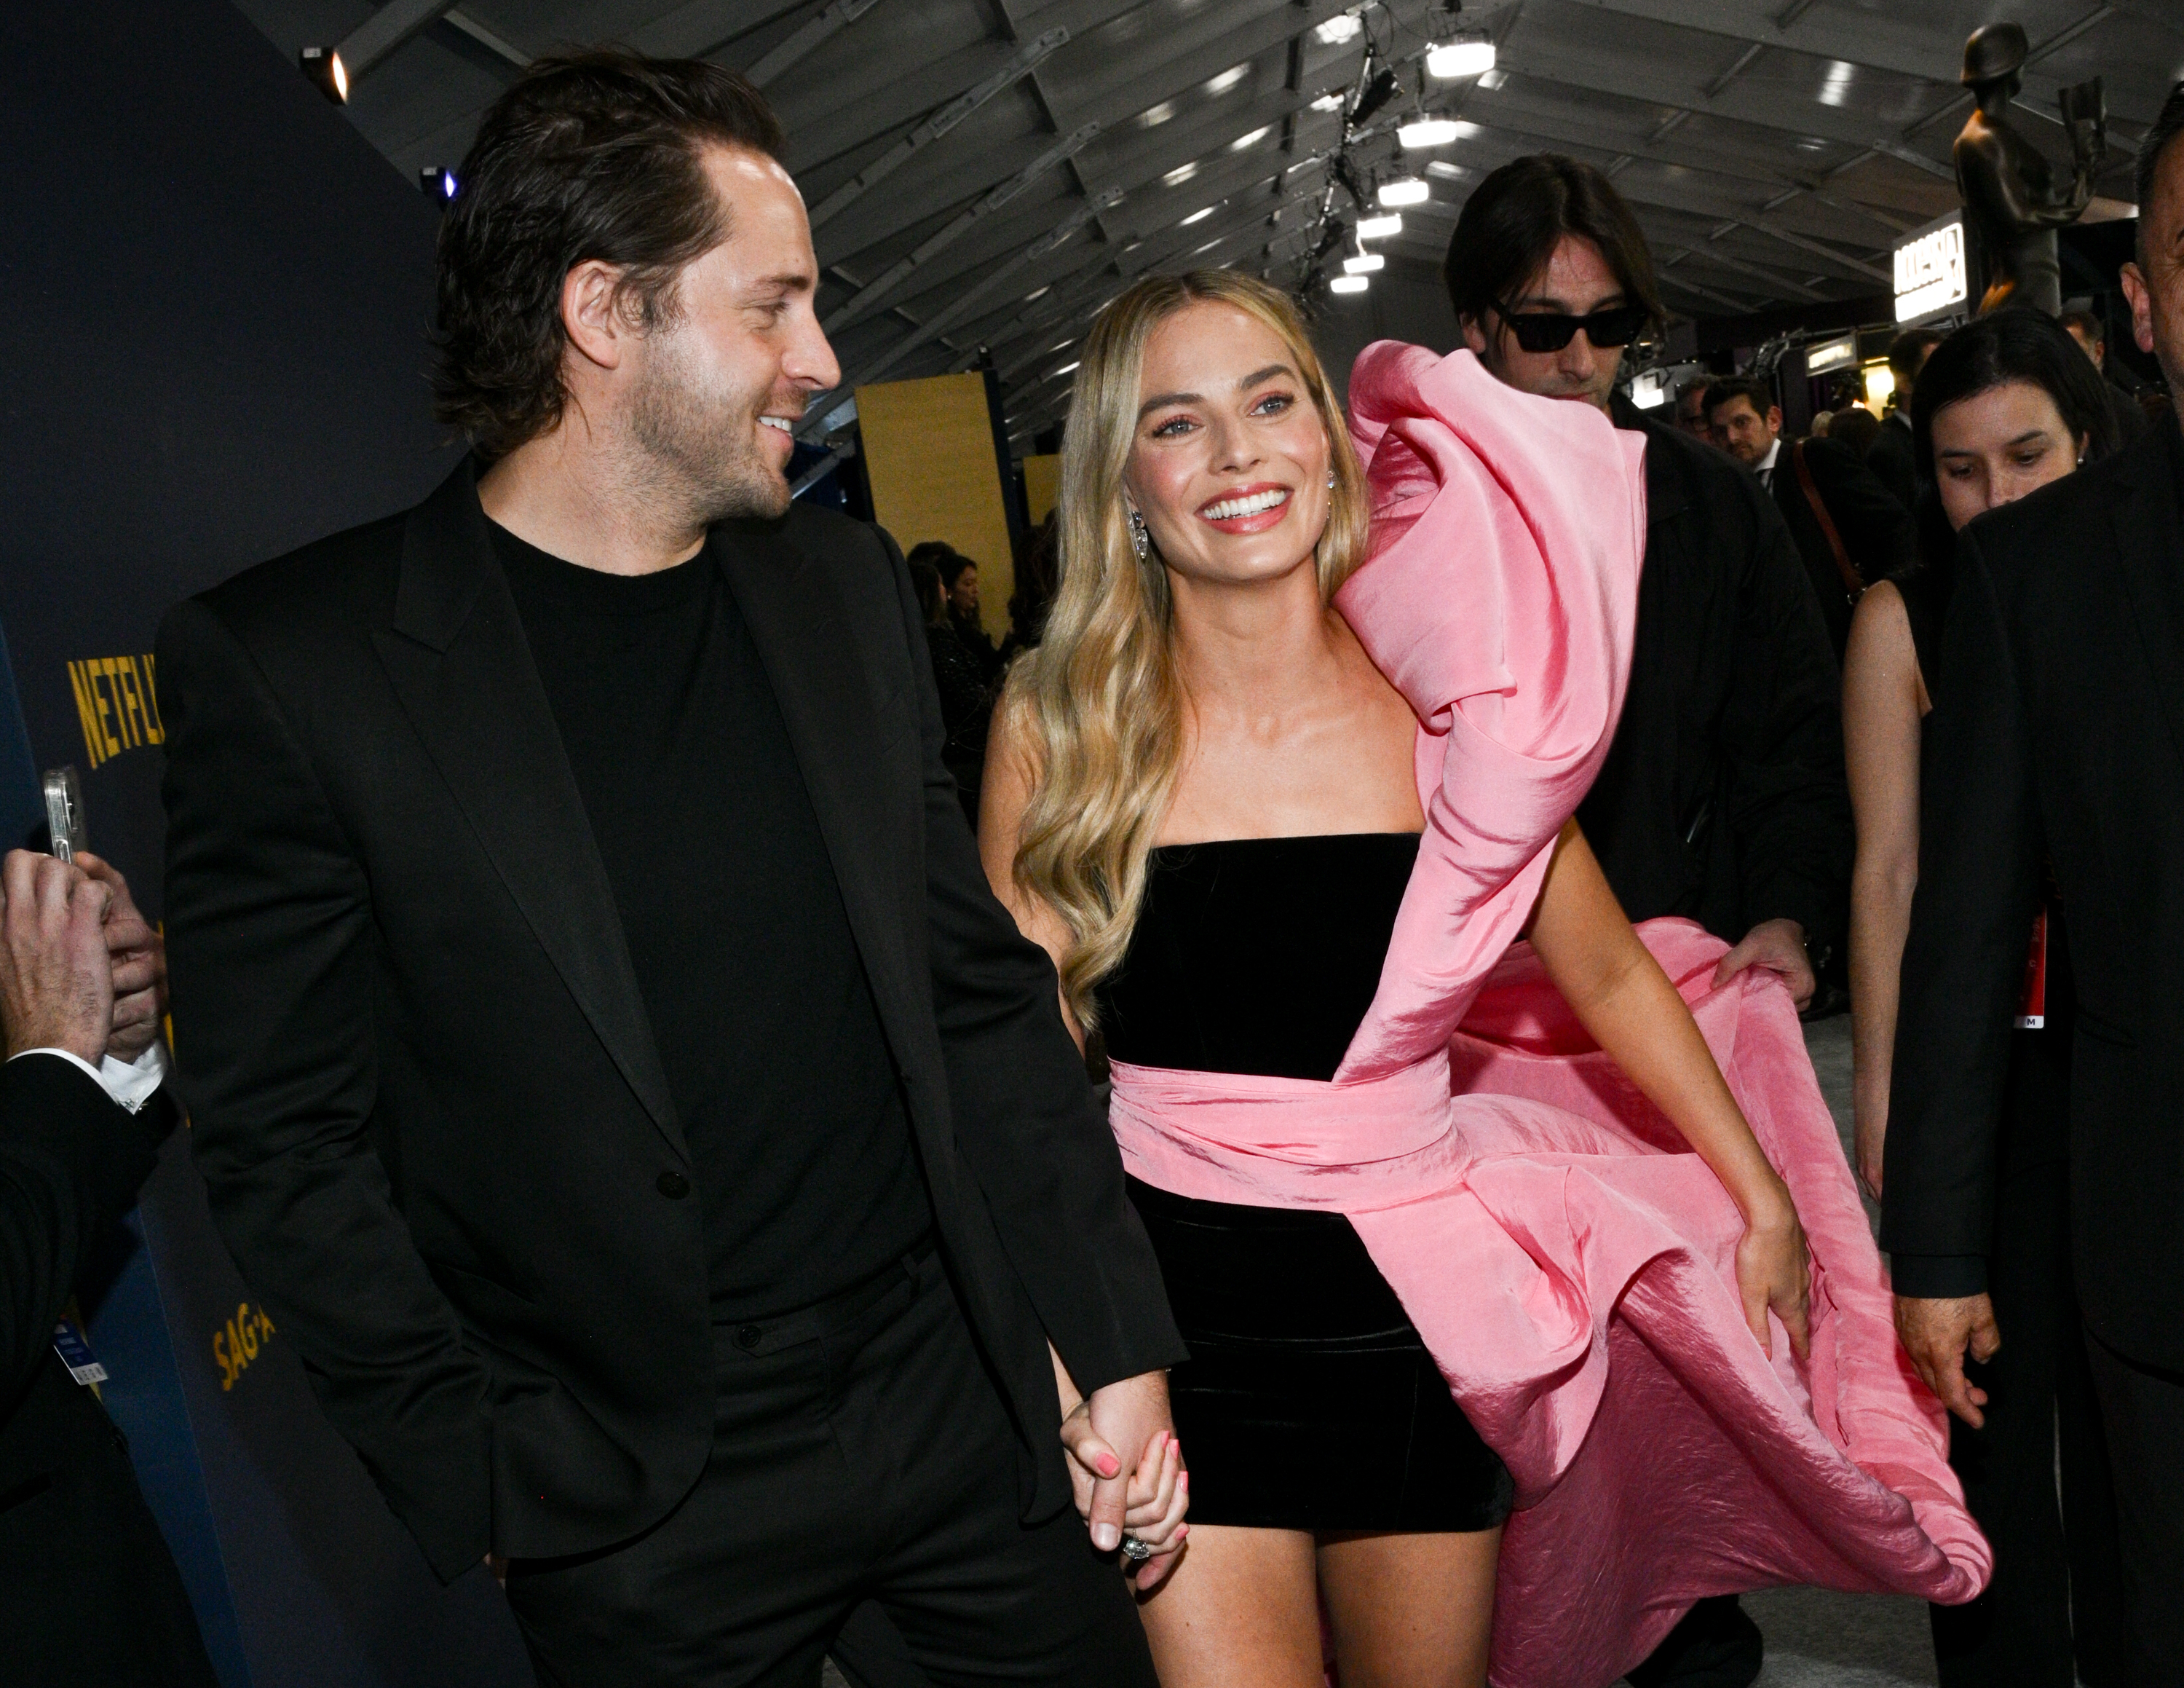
(1136,1552)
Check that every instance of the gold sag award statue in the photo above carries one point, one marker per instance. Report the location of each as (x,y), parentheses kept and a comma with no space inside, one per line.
(2011,205)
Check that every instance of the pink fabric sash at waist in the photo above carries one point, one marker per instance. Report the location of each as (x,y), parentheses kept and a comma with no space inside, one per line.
(1571,1269)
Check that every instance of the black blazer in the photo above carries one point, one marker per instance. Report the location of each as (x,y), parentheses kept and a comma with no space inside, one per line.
(89,1592)
(432,1118)
(1722,797)
(1893,458)
(2057,735)
(1876,529)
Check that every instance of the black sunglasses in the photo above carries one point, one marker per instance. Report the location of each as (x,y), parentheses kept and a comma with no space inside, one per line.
(1550,331)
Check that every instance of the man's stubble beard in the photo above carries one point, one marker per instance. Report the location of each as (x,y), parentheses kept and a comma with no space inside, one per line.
(1497,366)
(697,443)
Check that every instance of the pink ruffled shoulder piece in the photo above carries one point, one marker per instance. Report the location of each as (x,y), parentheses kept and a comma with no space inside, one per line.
(1570,1263)
(1500,600)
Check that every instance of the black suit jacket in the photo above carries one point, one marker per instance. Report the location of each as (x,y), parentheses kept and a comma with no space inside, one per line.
(1875,527)
(88,1592)
(1722,797)
(2058,735)
(1893,457)
(432,1118)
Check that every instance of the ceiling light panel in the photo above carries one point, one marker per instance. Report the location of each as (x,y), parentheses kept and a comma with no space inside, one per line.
(1472,58)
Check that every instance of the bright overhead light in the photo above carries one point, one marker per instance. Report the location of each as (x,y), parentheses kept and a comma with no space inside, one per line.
(1181,174)
(1036,291)
(1228,79)
(1348,284)
(1154,115)
(1208,247)
(1427,132)
(323,68)
(1472,58)
(1380,228)
(1196,217)
(1337,29)
(1243,143)
(1404,190)
(1441,167)
(1364,263)
(1330,102)
(1061,372)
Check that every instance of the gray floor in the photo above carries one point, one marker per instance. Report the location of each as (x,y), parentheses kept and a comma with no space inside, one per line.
(1815,1639)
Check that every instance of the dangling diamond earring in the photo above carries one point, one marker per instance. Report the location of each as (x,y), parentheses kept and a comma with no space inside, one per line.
(1140,541)
(1330,480)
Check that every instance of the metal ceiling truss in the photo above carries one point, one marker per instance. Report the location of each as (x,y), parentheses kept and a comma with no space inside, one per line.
(999,247)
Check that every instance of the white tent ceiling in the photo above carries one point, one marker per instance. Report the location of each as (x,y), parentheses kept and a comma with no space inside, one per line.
(1773,150)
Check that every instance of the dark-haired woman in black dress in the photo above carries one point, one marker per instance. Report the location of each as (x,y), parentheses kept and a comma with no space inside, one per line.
(2003,406)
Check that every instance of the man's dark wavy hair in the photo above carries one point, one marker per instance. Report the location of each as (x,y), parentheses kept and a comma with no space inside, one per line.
(595,155)
(2168,125)
(1513,221)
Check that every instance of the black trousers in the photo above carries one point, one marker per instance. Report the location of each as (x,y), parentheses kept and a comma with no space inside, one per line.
(860,1451)
(2143,1410)
(2054,1612)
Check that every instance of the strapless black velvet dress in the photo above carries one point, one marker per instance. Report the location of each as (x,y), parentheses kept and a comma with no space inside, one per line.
(1309,1400)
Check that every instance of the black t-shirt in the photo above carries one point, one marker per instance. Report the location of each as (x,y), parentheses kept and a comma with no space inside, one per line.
(742,950)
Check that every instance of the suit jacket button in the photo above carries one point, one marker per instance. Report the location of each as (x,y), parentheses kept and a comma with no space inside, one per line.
(674,1186)
(747,1336)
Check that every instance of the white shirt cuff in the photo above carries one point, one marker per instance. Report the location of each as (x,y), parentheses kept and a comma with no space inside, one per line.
(130,1083)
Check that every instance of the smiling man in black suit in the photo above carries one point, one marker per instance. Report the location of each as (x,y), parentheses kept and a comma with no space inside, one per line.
(2058,743)
(607,1061)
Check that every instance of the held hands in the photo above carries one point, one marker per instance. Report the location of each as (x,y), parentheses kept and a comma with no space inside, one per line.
(1937,1332)
(1771,1272)
(1146,1500)
(56,979)
(1779,947)
(139,956)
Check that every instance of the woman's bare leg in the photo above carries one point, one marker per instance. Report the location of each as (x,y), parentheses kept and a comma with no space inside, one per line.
(1409,1610)
(1240,1610)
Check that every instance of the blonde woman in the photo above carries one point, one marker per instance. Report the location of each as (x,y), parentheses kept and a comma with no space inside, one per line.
(1206,799)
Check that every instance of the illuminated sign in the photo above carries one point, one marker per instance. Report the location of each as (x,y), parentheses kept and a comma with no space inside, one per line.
(1822,355)
(1930,271)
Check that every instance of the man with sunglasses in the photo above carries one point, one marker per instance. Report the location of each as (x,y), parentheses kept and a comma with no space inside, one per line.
(1721,798)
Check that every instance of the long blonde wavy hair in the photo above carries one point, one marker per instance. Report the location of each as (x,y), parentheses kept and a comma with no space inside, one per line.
(1097,703)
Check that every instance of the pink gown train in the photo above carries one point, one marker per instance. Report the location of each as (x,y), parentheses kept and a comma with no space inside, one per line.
(1569,1262)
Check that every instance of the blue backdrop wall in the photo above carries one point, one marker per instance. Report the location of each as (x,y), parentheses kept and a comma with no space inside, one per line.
(215,350)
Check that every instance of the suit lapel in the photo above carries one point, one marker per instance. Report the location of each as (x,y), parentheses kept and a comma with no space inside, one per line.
(798,623)
(2150,552)
(460,664)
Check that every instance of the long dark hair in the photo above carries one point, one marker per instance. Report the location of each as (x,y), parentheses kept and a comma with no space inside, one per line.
(2012,344)
(1513,221)
(587,155)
